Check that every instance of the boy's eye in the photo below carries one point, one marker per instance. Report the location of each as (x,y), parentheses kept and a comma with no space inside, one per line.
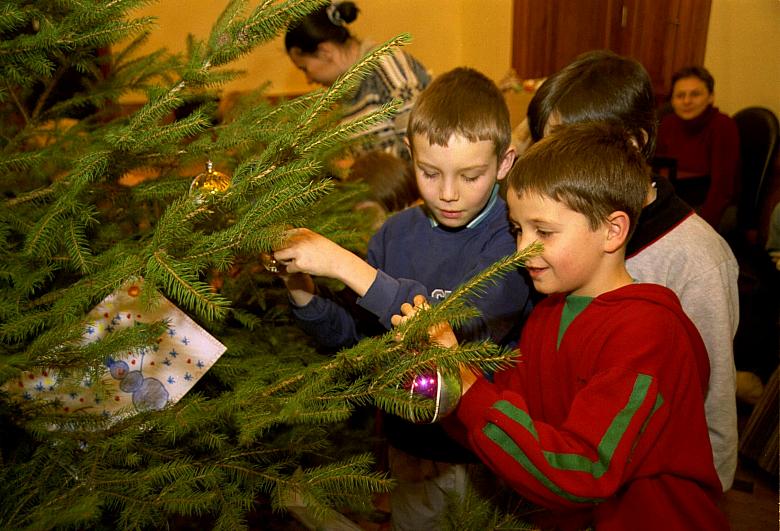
(470,178)
(429,174)
(515,230)
(543,233)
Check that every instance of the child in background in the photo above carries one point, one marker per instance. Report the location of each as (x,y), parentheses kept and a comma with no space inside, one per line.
(672,245)
(459,137)
(601,419)
(392,186)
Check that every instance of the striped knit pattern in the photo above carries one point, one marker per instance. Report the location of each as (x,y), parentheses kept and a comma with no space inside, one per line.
(398,76)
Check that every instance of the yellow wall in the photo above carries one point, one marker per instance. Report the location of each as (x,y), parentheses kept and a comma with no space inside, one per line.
(743,54)
(445,33)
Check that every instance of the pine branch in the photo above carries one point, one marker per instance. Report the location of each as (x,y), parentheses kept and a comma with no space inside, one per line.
(186,288)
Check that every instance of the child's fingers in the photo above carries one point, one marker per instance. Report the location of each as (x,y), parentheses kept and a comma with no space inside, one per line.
(407,309)
(420,301)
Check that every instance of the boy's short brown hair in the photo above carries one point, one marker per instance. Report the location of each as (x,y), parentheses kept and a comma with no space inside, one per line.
(462,101)
(593,168)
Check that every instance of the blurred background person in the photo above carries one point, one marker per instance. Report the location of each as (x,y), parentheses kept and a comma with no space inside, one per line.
(322,47)
(703,141)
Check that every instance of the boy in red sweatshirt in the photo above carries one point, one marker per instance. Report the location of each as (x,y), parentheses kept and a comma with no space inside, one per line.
(601,419)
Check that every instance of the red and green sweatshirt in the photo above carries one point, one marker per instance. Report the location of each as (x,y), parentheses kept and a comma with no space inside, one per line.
(605,426)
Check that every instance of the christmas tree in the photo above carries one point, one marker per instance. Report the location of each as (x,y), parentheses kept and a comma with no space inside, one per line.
(100,203)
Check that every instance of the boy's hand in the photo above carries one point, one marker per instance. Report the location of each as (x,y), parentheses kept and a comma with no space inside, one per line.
(305,251)
(440,333)
(300,285)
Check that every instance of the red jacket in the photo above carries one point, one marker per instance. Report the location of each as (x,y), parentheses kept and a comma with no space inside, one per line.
(608,429)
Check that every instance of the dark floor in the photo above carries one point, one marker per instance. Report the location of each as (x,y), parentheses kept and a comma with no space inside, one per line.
(752,503)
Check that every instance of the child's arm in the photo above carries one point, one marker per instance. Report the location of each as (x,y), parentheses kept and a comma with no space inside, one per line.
(307,252)
(583,460)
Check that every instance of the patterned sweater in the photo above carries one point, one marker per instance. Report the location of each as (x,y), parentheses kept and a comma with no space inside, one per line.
(397,76)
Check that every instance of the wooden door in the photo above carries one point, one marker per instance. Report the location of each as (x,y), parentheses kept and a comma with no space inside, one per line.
(549,34)
(664,35)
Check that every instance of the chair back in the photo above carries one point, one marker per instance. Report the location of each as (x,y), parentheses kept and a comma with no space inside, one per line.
(758,143)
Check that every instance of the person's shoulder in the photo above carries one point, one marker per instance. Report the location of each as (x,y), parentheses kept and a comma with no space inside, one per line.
(495,225)
(700,238)
(406,219)
(498,215)
(400,68)
(670,119)
(724,122)
(643,305)
(693,239)
(642,293)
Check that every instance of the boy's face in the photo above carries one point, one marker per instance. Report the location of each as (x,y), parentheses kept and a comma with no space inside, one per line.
(456,181)
(573,252)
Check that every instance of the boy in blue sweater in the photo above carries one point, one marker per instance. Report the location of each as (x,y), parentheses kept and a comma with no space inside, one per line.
(459,138)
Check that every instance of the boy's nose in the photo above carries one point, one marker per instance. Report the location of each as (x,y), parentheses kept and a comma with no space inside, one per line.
(522,242)
(448,190)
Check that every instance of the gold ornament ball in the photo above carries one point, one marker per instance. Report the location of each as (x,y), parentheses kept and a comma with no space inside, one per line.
(209,182)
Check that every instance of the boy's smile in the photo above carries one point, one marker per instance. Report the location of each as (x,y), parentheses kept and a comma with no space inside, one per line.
(456,180)
(573,260)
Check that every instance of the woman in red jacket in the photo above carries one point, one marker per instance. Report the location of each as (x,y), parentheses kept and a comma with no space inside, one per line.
(705,143)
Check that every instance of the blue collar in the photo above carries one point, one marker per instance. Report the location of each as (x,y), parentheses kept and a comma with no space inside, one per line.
(482,215)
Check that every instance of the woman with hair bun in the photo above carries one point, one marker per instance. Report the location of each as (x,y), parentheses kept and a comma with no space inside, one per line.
(322,47)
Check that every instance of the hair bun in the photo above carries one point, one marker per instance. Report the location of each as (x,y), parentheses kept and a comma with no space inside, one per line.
(347,11)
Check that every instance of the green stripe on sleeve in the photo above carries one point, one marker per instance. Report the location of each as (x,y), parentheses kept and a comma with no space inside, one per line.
(575,462)
(506,443)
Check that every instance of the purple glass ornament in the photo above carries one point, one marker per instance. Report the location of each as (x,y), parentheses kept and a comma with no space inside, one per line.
(444,388)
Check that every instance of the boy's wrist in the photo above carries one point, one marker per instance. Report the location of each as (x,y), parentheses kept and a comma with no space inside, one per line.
(301,288)
(301,298)
(355,273)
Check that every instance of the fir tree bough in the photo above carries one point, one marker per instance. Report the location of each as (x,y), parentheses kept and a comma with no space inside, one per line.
(253,434)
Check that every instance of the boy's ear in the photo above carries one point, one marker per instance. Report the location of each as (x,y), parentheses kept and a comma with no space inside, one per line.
(617,227)
(506,162)
(408,146)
